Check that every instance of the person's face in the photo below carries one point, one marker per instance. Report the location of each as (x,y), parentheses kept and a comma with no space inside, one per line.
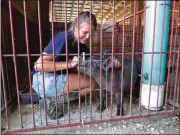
(84,32)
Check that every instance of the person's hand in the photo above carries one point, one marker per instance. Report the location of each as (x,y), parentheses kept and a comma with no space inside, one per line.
(116,63)
(73,62)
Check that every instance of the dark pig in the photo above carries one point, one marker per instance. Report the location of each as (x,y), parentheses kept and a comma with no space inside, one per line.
(106,71)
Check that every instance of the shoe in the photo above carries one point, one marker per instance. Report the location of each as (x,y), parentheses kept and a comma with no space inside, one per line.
(51,107)
(61,102)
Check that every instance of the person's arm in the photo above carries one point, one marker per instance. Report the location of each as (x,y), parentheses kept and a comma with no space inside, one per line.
(48,64)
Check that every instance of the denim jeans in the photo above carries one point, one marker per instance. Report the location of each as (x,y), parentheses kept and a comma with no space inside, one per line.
(49,83)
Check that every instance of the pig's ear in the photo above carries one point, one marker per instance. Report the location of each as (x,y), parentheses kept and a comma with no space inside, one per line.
(105,51)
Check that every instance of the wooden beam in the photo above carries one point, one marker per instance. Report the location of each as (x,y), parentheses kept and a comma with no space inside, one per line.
(50,13)
(82,7)
(97,14)
(116,12)
(72,9)
(93,6)
(140,5)
(119,10)
(98,19)
(107,13)
(136,8)
(99,11)
(127,11)
(111,9)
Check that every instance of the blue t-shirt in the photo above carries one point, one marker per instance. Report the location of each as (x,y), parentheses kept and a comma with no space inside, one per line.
(60,47)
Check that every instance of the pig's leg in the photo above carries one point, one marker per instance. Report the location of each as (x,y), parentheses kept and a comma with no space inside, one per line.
(101,106)
(118,103)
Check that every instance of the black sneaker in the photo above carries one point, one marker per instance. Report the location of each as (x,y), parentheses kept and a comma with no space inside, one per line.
(61,102)
(51,107)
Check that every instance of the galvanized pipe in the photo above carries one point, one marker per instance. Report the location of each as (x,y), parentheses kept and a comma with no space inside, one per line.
(151,62)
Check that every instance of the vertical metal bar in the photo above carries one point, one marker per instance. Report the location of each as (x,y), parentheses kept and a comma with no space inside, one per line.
(90,63)
(176,80)
(7,74)
(65,6)
(178,20)
(171,80)
(175,40)
(170,55)
(112,54)
(2,100)
(40,42)
(107,86)
(161,55)
(52,28)
(152,58)
(140,93)
(122,71)
(116,36)
(65,28)
(4,42)
(80,118)
(173,57)
(137,24)
(14,60)
(132,65)
(140,34)
(85,95)
(28,57)
(4,94)
(4,39)
(101,89)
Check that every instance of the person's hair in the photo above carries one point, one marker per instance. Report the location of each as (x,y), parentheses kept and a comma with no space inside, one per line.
(69,25)
(84,17)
